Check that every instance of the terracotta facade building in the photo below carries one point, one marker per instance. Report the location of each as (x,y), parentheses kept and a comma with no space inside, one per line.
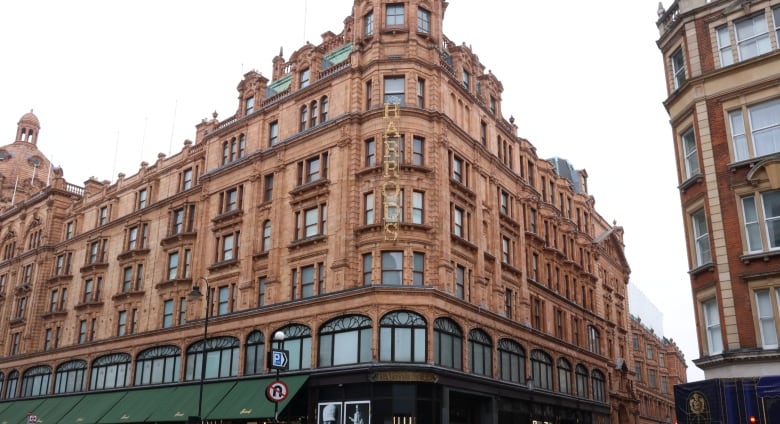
(370,204)
(658,366)
(722,60)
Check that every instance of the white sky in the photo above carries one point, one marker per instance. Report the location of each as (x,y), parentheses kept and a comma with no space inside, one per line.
(115,83)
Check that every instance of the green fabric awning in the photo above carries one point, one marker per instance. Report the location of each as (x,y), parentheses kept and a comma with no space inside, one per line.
(93,406)
(183,402)
(53,409)
(17,410)
(137,405)
(247,399)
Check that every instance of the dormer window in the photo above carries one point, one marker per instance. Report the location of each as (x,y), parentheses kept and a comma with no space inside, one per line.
(250,105)
(305,78)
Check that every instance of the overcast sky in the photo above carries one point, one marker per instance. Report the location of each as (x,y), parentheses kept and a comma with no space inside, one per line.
(115,83)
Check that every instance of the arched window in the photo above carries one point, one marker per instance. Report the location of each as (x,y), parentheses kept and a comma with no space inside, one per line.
(594,340)
(304,115)
(480,353)
(266,235)
(255,353)
(402,337)
(241,146)
(297,341)
(13,382)
(323,109)
(221,358)
(511,361)
(541,369)
(345,340)
(36,381)
(447,343)
(158,365)
(581,374)
(564,376)
(70,377)
(313,117)
(598,389)
(110,372)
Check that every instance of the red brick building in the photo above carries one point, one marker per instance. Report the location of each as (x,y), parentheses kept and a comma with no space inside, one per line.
(722,60)
(369,203)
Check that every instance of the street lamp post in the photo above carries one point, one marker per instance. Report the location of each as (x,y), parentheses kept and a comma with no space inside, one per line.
(279,339)
(196,294)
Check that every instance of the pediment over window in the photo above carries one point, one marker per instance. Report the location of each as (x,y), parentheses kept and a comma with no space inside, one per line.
(767,169)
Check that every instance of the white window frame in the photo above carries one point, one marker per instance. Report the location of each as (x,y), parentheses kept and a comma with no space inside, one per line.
(691,153)
(701,238)
(752,138)
(758,225)
(724,45)
(711,319)
(677,60)
(765,317)
(759,40)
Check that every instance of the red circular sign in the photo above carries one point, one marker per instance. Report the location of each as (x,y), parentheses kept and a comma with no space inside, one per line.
(276,391)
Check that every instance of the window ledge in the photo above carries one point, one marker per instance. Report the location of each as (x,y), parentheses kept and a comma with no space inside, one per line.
(223,265)
(702,269)
(460,241)
(297,244)
(222,218)
(463,190)
(178,238)
(690,182)
(55,314)
(368,228)
(135,253)
(59,278)
(765,256)
(96,266)
(16,322)
(127,295)
(320,186)
(174,283)
(22,288)
(511,269)
(87,305)
(395,29)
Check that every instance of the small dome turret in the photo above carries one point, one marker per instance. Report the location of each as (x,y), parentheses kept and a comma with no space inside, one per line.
(28,128)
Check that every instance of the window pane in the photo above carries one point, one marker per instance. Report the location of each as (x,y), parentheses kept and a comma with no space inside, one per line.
(419,345)
(752,230)
(738,135)
(772,216)
(766,319)
(403,344)
(385,345)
